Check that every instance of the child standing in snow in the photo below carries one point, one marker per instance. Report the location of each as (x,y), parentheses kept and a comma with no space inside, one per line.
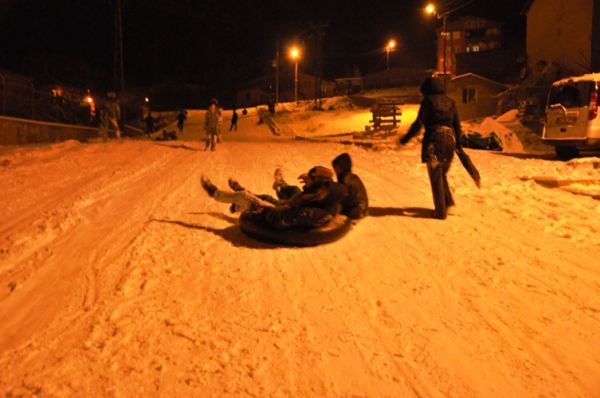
(211,125)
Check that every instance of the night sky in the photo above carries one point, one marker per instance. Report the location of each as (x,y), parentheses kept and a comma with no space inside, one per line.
(220,44)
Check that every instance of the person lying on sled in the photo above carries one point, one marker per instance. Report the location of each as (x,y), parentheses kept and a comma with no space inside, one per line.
(315,205)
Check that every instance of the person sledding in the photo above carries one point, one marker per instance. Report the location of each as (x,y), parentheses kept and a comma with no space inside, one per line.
(356,203)
(315,205)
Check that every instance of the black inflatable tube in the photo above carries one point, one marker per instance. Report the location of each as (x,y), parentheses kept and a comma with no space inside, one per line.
(332,231)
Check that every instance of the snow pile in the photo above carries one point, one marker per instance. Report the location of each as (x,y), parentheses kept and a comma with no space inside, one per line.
(508,117)
(510,141)
(514,137)
(337,103)
(579,176)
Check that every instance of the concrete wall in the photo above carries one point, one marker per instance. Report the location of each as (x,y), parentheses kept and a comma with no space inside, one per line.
(560,31)
(15,131)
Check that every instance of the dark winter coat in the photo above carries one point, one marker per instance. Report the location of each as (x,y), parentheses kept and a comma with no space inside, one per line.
(315,206)
(436,110)
(327,195)
(356,203)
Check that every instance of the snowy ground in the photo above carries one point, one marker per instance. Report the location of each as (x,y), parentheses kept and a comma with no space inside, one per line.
(120,277)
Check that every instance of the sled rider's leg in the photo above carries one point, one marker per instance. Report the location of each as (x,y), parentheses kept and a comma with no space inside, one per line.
(242,200)
(213,138)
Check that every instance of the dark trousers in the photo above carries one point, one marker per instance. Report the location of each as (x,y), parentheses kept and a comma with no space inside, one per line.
(233,126)
(211,140)
(440,152)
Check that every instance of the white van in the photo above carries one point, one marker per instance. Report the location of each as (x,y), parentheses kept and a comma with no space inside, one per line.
(572,121)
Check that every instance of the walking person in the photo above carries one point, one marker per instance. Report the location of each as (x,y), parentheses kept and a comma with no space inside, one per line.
(104,125)
(149,124)
(234,120)
(211,125)
(113,113)
(439,116)
(181,118)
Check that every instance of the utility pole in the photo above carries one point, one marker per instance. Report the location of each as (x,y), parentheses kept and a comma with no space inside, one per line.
(119,68)
(444,34)
(277,73)
(319,32)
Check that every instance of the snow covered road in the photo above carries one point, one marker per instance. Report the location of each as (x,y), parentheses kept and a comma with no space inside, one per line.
(120,277)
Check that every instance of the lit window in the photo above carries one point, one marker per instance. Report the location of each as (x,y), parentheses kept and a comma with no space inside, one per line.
(456,35)
(475,49)
(469,95)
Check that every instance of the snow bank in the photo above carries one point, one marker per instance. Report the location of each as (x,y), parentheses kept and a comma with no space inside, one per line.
(508,117)
(515,137)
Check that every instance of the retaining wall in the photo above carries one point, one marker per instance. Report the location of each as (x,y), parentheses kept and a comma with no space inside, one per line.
(16,131)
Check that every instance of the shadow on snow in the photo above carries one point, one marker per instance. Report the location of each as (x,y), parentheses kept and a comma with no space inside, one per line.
(232,234)
(415,212)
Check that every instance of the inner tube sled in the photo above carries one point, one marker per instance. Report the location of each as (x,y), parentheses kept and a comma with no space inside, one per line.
(332,231)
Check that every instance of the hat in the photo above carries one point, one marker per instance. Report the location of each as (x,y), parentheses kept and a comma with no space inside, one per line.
(321,172)
(344,162)
(214,101)
(432,85)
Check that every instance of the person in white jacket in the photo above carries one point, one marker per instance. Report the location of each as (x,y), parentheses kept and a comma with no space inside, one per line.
(211,125)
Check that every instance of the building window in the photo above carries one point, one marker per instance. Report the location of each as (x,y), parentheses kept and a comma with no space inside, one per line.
(475,49)
(469,95)
(456,35)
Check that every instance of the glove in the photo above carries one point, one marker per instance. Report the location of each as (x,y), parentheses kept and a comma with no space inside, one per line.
(403,141)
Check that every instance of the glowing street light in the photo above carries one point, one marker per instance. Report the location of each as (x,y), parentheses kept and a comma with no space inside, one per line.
(146,99)
(432,10)
(390,47)
(295,53)
(295,56)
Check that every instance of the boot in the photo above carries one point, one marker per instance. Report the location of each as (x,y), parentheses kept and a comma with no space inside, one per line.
(278,180)
(208,186)
(234,185)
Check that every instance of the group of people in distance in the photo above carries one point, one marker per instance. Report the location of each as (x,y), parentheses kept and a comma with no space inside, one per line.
(314,204)
(321,198)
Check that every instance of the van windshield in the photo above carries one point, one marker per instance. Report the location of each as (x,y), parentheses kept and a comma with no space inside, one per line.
(571,95)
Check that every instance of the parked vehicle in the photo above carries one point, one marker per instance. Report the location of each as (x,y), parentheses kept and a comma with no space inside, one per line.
(572,123)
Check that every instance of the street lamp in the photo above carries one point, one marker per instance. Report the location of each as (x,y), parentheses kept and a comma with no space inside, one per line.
(431,10)
(295,56)
(390,47)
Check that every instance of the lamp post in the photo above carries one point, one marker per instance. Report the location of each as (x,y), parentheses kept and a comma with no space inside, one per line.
(295,56)
(390,47)
(430,9)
